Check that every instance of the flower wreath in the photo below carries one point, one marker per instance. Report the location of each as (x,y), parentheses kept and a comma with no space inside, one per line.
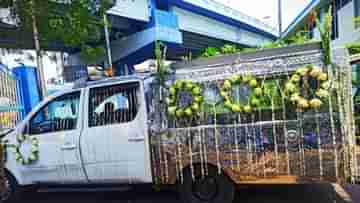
(194,90)
(34,150)
(293,87)
(256,93)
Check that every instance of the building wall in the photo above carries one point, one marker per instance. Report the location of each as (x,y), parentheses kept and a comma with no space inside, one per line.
(347,31)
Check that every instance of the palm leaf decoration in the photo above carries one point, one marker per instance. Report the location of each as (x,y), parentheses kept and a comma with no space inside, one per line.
(325,34)
(162,69)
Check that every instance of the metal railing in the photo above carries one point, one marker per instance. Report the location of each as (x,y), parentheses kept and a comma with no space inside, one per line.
(10,105)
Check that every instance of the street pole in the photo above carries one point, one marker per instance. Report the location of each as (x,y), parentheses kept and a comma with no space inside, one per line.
(40,65)
(280,17)
(107,39)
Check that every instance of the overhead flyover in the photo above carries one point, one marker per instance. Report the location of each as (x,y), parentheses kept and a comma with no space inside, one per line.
(183,25)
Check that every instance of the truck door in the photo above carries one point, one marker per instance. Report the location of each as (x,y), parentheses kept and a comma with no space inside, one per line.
(56,125)
(114,143)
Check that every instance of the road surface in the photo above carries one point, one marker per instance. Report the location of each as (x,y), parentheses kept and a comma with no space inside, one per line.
(258,194)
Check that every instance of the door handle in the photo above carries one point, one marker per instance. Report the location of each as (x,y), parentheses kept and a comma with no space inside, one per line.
(68,147)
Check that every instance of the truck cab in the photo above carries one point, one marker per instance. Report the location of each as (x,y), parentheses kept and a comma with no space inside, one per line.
(92,134)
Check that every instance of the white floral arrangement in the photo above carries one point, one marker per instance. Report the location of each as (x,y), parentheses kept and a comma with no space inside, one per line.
(34,156)
(293,88)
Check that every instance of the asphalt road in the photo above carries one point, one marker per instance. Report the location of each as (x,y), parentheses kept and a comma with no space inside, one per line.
(258,194)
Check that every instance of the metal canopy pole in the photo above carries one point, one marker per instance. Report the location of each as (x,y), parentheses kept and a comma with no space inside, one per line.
(107,39)
(280,17)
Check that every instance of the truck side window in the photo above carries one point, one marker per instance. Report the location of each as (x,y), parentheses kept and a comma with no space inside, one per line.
(58,115)
(113,104)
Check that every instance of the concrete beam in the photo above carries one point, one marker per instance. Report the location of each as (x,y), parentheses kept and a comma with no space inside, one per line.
(136,10)
(227,11)
(195,23)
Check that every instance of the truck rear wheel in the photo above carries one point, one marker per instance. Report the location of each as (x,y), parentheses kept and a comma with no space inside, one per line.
(213,188)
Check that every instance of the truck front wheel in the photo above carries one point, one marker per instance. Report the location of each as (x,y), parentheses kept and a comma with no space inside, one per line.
(11,192)
(213,188)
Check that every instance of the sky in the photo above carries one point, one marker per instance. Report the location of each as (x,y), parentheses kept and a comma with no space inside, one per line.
(265,10)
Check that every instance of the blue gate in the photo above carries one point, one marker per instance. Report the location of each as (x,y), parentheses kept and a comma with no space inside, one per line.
(11,110)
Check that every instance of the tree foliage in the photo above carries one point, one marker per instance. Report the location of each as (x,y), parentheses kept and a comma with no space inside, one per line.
(75,23)
(300,37)
(210,52)
(226,49)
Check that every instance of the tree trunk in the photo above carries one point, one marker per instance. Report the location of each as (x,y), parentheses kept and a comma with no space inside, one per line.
(39,61)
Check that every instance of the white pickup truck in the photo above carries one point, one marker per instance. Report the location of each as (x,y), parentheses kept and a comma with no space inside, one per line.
(213,125)
(97,134)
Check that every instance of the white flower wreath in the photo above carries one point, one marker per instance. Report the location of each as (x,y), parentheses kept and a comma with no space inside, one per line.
(34,150)
(321,91)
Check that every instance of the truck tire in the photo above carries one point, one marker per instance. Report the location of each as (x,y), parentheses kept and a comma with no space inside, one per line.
(214,188)
(12,194)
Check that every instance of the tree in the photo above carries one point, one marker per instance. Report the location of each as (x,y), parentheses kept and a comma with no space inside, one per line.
(75,24)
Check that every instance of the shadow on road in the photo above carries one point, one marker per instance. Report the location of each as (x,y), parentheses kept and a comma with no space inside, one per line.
(324,193)
(314,193)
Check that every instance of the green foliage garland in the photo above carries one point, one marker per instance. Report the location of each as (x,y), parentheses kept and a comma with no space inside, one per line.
(255,98)
(174,110)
